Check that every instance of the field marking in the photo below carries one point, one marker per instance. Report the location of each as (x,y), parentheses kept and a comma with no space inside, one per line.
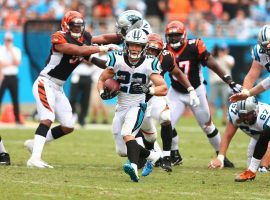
(46,195)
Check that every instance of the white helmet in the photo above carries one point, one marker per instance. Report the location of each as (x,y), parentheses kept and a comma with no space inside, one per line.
(248,110)
(129,20)
(264,39)
(136,36)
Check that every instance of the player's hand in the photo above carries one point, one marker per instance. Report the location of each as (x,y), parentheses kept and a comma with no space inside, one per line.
(109,47)
(236,88)
(239,96)
(215,164)
(106,94)
(139,88)
(193,98)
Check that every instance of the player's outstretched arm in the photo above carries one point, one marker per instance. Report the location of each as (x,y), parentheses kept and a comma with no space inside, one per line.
(213,65)
(261,87)
(252,75)
(218,162)
(159,88)
(99,62)
(107,39)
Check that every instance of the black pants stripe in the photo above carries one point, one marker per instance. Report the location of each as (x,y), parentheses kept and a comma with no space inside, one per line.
(11,83)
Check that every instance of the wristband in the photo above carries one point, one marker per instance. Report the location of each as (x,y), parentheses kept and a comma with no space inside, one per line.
(266,83)
(227,78)
(221,157)
(152,90)
(190,88)
(246,92)
(103,49)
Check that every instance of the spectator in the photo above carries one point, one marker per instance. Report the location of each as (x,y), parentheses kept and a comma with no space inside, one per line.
(81,87)
(155,13)
(179,10)
(242,25)
(10,59)
(102,9)
(220,90)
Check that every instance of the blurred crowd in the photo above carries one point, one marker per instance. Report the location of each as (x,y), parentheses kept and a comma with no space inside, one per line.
(208,18)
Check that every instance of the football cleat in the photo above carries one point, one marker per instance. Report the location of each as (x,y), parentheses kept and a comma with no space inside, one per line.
(246,175)
(148,168)
(228,163)
(38,163)
(176,158)
(128,169)
(263,169)
(166,163)
(4,159)
(29,145)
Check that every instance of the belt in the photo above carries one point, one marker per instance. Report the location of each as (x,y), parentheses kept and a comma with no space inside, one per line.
(55,80)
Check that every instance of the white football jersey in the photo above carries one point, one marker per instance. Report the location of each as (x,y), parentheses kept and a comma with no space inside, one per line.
(127,74)
(259,55)
(255,129)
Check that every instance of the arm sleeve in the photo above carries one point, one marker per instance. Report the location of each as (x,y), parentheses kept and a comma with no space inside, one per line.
(111,60)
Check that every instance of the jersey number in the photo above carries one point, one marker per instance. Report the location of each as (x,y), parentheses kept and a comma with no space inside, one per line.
(125,77)
(185,68)
(264,115)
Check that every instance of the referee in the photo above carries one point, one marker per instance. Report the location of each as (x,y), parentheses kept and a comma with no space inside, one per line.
(10,59)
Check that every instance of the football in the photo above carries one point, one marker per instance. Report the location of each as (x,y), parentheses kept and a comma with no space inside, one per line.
(112,85)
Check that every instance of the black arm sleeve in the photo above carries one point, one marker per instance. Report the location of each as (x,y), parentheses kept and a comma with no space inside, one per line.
(99,62)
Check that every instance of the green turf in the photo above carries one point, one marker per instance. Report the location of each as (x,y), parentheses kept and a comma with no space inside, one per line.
(87,167)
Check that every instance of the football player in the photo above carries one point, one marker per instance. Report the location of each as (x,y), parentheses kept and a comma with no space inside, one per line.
(4,156)
(133,70)
(69,47)
(159,109)
(261,61)
(131,19)
(253,119)
(190,55)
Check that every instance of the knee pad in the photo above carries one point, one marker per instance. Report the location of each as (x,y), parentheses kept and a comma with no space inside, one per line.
(150,137)
(165,116)
(209,129)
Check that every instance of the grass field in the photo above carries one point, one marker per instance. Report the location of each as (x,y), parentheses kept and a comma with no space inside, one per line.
(87,167)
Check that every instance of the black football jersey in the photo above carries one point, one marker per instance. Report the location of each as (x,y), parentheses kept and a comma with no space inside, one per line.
(189,59)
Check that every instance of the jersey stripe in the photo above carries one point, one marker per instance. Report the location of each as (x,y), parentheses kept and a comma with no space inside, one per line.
(112,59)
(154,64)
(256,53)
(140,116)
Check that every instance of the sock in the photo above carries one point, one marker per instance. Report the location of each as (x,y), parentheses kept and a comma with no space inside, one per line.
(49,136)
(57,132)
(39,141)
(133,151)
(135,167)
(2,148)
(214,139)
(157,148)
(148,145)
(175,141)
(144,153)
(166,136)
(254,165)
(166,153)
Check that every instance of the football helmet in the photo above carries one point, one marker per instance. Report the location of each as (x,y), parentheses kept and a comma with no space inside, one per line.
(175,34)
(155,44)
(264,39)
(139,37)
(128,20)
(248,110)
(73,23)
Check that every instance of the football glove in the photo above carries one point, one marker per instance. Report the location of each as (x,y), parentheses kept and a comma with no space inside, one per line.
(139,88)
(106,94)
(193,98)
(236,88)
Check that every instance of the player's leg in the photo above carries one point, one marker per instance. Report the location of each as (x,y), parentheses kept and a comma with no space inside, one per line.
(160,111)
(265,163)
(203,117)
(4,156)
(259,152)
(177,105)
(132,124)
(45,99)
